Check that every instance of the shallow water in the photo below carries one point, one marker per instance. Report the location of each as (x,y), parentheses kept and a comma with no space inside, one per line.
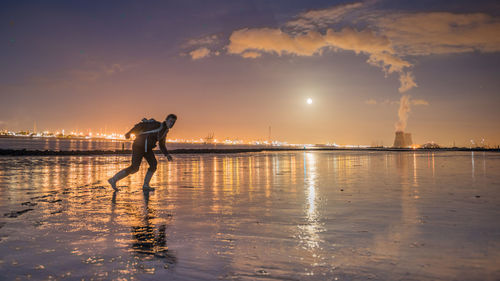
(62,144)
(266,216)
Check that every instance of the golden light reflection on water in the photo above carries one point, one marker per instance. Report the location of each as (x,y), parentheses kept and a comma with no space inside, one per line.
(401,232)
(268,171)
(415,177)
(310,237)
(473,166)
(310,182)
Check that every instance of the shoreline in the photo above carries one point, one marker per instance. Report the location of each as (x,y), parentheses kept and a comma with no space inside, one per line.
(24,152)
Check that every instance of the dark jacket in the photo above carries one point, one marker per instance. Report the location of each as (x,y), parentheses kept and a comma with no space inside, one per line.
(148,141)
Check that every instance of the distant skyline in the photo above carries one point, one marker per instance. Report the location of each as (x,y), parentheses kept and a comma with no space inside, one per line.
(234,68)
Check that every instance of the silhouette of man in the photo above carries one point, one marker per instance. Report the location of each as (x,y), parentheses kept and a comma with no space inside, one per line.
(147,132)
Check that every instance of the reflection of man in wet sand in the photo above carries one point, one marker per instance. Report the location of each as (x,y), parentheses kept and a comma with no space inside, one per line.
(147,133)
(147,241)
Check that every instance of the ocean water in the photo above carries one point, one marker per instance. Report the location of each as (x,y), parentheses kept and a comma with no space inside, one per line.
(60,144)
(311,215)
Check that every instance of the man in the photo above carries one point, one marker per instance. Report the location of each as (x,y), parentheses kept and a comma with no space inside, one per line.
(147,132)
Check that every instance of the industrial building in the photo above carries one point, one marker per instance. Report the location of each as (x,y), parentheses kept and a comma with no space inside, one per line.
(402,140)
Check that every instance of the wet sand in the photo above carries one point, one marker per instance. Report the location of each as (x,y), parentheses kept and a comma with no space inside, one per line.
(308,215)
(228,149)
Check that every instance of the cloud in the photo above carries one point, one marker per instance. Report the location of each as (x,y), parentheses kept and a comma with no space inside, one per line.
(439,32)
(203,47)
(276,41)
(389,63)
(199,53)
(315,19)
(202,41)
(386,37)
(251,55)
(422,33)
(364,41)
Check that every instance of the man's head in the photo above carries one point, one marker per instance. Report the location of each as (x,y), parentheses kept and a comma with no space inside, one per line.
(170,120)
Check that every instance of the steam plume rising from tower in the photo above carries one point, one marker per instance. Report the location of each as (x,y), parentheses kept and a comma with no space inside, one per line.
(404,109)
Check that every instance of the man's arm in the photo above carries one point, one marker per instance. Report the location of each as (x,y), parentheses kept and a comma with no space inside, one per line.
(163,148)
(133,130)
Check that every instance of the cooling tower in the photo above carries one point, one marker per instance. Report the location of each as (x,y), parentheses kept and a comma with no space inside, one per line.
(408,140)
(399,140)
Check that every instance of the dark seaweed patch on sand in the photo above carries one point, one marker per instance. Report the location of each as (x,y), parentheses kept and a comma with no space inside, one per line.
(14,214)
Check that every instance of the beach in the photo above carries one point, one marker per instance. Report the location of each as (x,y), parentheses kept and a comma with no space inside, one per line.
(287,215)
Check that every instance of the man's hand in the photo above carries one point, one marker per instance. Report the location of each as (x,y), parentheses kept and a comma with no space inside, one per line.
(169,158)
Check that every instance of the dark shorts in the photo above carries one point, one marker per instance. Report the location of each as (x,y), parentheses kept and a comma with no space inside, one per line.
(137,153)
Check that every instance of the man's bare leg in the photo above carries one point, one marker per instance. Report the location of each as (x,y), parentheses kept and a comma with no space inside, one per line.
(147,179)
(113,180)
(150,157)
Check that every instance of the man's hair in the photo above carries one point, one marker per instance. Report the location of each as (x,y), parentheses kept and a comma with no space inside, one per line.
(171,116)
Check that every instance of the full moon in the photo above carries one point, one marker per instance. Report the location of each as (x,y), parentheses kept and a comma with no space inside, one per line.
(309,101)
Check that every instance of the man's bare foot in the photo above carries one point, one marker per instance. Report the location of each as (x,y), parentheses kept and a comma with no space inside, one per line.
(112,182)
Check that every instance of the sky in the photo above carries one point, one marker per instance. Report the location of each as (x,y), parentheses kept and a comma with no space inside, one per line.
(235,68)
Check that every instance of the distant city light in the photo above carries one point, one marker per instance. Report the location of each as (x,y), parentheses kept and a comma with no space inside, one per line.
(213,141)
